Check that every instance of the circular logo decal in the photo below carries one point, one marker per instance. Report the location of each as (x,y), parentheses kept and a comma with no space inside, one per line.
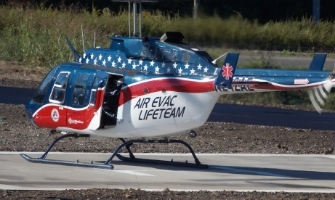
(55,115)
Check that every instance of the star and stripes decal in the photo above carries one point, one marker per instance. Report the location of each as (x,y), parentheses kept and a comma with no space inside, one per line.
(157,67)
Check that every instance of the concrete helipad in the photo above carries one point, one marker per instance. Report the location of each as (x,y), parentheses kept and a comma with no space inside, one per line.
(239,172)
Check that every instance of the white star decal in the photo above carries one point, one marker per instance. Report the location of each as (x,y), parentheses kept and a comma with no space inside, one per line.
(192,71)
(152,63)
(175,65)
(168,70)
(113,64)
(84,55)
(104,62)
(180,70)
(87,60)
(95,61)
(92,56)
(100,57)
(109,58)
(80,60)
(134,66)
(157,69)
(186,66)
(146,67)
(140,62)
(119,59)
(205,69)
(199,67)
(163,64)
(123,65)
(129,60)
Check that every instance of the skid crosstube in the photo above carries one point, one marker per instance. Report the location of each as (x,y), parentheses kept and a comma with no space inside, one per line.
(107,163)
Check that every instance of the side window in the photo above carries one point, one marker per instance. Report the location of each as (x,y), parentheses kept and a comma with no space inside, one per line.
(159,53)
(166,54)
(79,96)
(145,50)
(93,95)
(185,57)
(174,55)
(152,52)
(59,88)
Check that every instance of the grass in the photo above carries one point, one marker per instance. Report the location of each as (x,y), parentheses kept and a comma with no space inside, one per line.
(35,37)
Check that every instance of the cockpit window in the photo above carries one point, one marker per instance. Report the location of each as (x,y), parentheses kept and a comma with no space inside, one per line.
(80,91)
(43,89)
(59,89)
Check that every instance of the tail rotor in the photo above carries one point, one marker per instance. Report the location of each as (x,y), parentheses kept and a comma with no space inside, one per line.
(318,95)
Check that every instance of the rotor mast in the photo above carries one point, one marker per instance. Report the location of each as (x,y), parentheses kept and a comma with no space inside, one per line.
(137,5)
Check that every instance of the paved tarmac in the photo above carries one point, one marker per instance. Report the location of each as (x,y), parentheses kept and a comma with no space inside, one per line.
(238,172)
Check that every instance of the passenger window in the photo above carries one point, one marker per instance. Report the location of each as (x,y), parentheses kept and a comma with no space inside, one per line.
(59,89)
(185,57)
(152,52)
(79,90)
(159,54)
(174,55)
(144,52)
(94,91)
(166,54)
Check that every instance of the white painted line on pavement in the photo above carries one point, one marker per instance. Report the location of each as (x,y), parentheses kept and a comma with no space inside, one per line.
(132,172)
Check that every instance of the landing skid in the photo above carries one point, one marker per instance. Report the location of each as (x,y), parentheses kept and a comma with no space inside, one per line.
(107,164)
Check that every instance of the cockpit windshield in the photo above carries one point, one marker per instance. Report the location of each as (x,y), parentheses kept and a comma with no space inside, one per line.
(43,89)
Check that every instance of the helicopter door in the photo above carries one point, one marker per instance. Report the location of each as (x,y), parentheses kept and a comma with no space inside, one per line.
(96,99)
(111,101)
(57,97)
(79,114)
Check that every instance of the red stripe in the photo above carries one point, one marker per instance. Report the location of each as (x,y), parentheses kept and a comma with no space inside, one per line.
(159,85)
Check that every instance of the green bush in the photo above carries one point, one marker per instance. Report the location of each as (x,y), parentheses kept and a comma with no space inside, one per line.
(36,38)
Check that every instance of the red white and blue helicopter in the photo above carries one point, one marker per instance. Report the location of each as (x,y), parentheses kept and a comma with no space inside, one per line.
(151,88)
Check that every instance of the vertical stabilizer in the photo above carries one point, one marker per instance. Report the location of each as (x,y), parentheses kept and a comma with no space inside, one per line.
(318,62)
(225,76)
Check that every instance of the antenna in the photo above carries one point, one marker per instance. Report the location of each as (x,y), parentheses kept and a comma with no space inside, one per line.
(135,2)
(82,37)
(94,40)
(214,61)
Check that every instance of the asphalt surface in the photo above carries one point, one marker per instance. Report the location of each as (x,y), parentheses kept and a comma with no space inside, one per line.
(229,172)
(255,115)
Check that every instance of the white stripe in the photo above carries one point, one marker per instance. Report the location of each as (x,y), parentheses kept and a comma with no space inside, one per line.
(132,172)
(177,78)
(246,190)
(314,103)
(318,96)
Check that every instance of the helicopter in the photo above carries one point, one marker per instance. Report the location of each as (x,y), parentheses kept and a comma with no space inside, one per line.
(152,88)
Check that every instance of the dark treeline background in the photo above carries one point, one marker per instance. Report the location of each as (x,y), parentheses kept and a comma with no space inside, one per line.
(261,10)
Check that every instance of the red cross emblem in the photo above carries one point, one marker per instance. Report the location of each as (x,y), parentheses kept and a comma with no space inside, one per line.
(227,71)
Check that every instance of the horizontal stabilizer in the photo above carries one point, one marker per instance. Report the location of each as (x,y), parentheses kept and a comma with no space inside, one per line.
(318,62)
(318,95)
